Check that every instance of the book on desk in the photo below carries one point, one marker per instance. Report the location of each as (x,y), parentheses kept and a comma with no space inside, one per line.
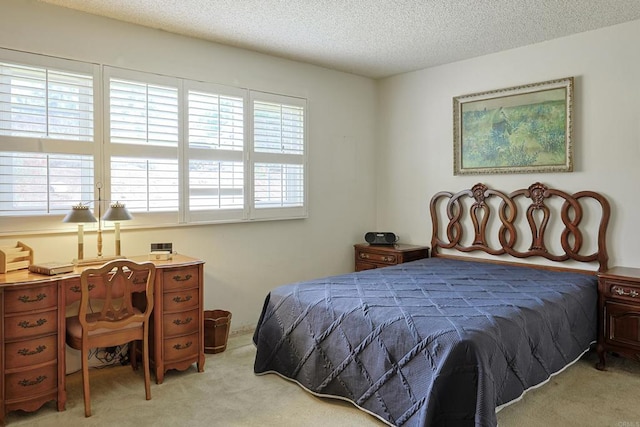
(51,268)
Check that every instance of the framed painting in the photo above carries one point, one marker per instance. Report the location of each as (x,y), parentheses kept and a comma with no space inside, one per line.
(521,129)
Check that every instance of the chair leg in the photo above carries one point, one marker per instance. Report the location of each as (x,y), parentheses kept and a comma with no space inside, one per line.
(145,366)
(85,382)
(133,359)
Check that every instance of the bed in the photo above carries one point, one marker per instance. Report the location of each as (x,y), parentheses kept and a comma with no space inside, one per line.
(450,339)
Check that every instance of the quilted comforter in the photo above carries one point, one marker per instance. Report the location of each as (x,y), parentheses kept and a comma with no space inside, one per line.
(431,342)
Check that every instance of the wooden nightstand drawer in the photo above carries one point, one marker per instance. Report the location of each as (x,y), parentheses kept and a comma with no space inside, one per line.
(621,289)
(622,324)
(619,313)
(368,256)
(389,259)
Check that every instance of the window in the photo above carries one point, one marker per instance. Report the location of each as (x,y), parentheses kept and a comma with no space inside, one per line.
(217,152)
(47,133)
(142,142)
(173,150)
(278,163)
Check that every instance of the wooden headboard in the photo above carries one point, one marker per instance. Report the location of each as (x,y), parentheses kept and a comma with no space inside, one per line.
(498,224)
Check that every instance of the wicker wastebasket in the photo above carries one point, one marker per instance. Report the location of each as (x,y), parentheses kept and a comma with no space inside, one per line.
(216,330)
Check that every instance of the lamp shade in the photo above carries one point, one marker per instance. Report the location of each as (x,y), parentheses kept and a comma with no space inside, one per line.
(117,212)
(80,213)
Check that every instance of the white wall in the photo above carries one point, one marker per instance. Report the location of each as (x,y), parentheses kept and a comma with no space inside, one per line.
(243,261)
(414,151)
(416,130)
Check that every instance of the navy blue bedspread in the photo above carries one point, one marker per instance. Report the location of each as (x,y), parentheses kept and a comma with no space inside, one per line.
(431,342)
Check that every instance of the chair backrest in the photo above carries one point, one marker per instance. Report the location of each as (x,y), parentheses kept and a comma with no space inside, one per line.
(108,294)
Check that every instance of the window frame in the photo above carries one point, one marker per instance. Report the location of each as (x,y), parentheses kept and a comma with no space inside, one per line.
(102,150)
(271,213)
(128,150)
(25,224)
(219,215)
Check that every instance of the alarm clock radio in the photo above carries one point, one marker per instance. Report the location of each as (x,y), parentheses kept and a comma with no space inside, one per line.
(380,238)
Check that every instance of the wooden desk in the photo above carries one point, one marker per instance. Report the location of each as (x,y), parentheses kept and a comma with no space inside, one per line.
(32,329)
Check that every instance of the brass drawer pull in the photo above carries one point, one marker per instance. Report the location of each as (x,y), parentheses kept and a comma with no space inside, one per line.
(27,352)
(77,289)
(25,298)
(25,324)
(179,278)
(385,258)
(179,299)
(183,347)
(179,322)
(28,383)
(622,292)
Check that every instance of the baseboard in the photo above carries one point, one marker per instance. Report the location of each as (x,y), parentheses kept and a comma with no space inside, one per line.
(247,329)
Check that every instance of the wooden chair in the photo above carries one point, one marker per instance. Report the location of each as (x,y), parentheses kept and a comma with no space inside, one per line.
(115,305)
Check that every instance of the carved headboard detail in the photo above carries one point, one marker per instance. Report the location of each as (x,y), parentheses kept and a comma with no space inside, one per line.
(538,214)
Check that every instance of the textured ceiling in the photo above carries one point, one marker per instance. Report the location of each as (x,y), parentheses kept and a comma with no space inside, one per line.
(373,38)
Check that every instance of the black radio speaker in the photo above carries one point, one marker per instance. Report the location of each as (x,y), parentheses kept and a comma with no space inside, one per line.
(380,238)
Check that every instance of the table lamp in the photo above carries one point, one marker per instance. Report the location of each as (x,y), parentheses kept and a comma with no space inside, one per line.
(80,214)
(116,213)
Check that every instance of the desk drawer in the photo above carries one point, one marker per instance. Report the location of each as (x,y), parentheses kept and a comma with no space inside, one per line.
(21,354)
(32,298)
(181,347)
(31,382)
(180,323)
(29,325)
(180,301)
(181,278)
(73,290)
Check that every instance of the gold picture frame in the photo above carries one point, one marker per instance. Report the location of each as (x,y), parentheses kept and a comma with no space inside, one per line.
(521,129)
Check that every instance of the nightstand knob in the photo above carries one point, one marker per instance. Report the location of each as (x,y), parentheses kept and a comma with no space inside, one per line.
(364,256)
(621,291)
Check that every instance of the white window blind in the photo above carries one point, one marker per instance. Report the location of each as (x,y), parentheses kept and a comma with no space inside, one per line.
(278,128)
(172,150)
(278,185)
(145,185)
(216,121)
(216,141)
(216,185)
(143,141)
(279,158)
(47,132)
(143,113)
(38,183)
(39,102)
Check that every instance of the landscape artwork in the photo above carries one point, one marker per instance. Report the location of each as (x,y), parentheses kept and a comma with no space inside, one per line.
(522,129)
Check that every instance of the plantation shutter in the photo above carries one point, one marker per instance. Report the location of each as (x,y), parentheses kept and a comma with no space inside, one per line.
(279,154)
(143,139)
(47,134)
(216,138)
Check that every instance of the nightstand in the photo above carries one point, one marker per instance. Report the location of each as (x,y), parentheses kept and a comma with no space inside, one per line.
(376,256)
(619,313)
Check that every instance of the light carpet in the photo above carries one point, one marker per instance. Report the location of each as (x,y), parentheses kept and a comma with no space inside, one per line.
(229,394)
